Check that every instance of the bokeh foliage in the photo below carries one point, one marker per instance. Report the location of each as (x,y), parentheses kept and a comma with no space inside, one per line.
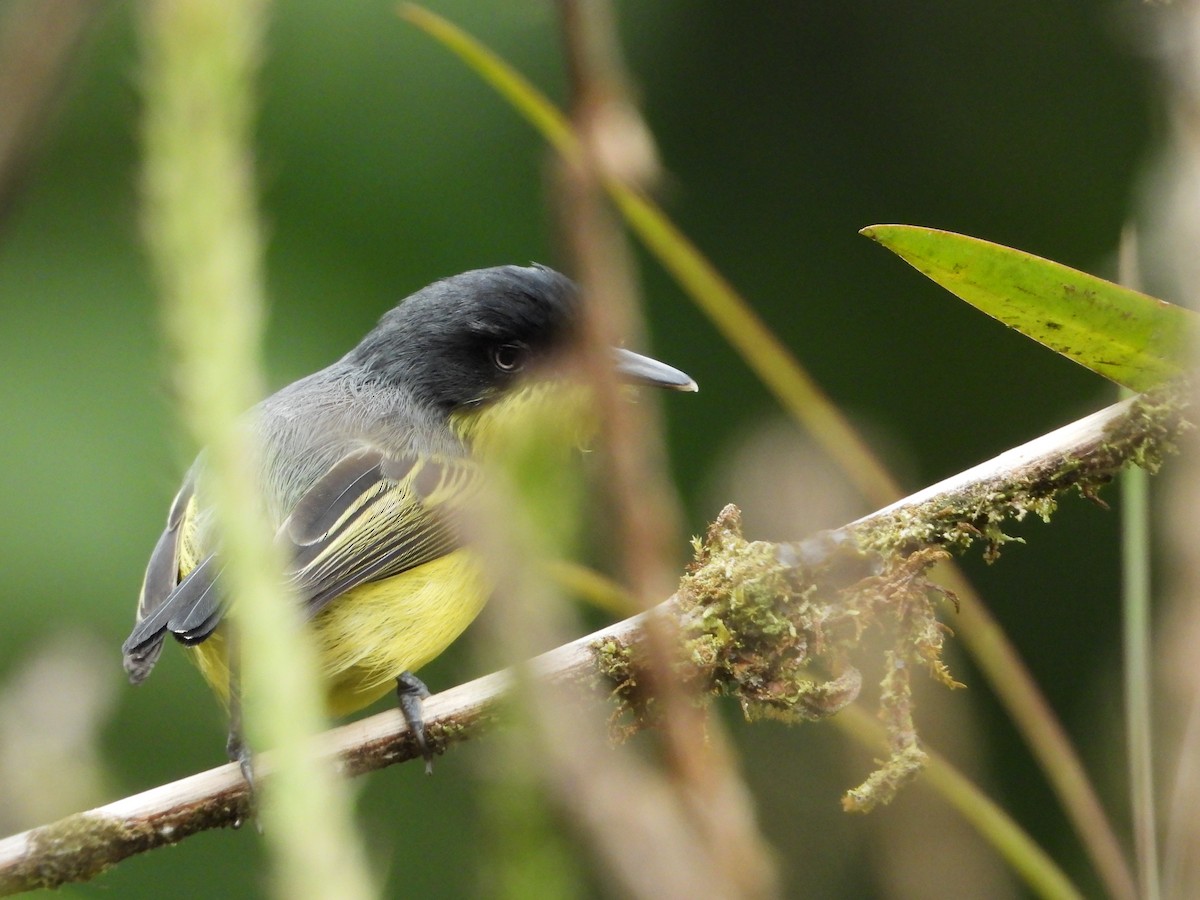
(385,164)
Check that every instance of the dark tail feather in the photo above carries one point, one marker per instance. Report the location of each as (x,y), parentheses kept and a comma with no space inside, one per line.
(191,612)
(144,644)
(140,662)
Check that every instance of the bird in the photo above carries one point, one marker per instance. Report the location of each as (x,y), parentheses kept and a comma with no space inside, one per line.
(363,468)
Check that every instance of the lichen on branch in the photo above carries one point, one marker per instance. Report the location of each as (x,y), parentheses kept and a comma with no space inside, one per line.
(777,626)
(781,627)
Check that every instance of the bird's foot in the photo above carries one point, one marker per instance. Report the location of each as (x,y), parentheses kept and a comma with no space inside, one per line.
(238,752)
(411,692)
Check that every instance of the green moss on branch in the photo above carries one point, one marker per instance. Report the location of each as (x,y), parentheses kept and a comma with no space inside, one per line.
(780,627)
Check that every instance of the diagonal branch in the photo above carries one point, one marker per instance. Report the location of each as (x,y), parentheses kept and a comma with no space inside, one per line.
(954,513)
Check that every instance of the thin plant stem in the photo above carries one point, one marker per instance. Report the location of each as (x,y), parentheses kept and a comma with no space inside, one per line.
(1135,637)
(801,397)
(201,222)
(1135,560)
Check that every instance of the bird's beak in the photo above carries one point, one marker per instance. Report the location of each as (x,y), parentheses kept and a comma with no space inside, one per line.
(638,369)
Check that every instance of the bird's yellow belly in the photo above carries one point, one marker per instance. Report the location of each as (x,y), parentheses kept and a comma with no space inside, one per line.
(374,632)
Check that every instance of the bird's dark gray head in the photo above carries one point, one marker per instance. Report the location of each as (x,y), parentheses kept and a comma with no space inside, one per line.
(464,339)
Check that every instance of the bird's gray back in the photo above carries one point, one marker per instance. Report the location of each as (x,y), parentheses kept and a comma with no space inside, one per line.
(304,429)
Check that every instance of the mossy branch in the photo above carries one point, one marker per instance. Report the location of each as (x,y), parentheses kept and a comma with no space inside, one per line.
(774,625)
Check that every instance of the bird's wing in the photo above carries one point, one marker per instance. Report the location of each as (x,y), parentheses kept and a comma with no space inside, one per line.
(369,517)
(162,578)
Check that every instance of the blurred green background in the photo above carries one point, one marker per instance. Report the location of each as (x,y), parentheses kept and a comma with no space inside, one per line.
(384,164)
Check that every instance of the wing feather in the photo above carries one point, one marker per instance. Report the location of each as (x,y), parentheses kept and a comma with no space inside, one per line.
(401,516)
(142,648)
(370,517)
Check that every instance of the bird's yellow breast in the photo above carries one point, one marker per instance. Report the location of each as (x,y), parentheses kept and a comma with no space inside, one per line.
(371,634)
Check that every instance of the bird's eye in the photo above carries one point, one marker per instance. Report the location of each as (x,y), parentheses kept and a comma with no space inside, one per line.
(509,357)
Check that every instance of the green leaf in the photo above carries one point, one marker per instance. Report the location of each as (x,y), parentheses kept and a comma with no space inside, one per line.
(1126,336)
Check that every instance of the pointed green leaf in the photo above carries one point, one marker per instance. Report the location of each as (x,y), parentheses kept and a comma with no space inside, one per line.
(1126,336)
